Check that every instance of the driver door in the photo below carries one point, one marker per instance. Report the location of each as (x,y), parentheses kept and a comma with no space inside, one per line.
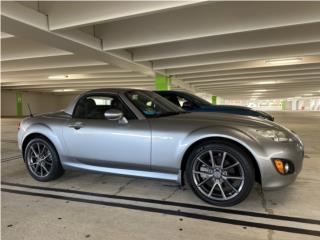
(92,139)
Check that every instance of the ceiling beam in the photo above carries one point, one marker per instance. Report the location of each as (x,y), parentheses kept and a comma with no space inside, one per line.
(256,84)
(25,22)
(80,77)
(78,82)
(251,72)
(20,48)
(211,19)
(88,13)
(88,84)
(293,94)
(73,91)
(64,71)
(243,65)
(6,35)
(278,87)
(48,62)
(253,77)
(239,56)
(282,36)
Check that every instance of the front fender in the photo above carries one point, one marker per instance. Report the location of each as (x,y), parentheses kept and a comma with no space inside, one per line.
(232,134)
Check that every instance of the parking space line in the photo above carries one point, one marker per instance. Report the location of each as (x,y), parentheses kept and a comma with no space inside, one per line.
(11,158)
(169,212)
(170,203)
(8,141)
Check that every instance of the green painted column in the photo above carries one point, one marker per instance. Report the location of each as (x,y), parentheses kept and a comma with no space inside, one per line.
(19,104)
(214,100)
(283,105)
(162,82)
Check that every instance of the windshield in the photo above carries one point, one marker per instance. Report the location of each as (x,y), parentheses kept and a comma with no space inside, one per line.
(152,105)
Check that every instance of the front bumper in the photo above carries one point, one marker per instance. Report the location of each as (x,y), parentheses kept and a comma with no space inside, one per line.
(294,152)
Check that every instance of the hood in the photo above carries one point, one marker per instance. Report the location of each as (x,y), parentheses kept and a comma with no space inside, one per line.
(226,119)
(232,109)
(235,107)
(266,115)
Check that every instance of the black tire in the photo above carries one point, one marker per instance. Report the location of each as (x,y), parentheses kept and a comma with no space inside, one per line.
(51,164)
(233,153)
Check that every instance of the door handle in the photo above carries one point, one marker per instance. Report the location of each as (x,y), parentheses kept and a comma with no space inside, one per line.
(76,125)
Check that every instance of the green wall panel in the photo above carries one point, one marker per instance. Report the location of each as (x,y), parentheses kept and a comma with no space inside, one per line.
(19,104)
(214,100)
(162,82)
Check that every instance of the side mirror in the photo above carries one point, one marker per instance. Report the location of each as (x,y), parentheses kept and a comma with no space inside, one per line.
(113,114)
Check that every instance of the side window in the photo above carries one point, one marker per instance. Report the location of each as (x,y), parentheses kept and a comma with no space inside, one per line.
(173,98)
(181,101)
(186,104)
(144,103)
(94,107)
(102,101)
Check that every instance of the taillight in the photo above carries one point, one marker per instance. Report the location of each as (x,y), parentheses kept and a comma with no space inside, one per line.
(18,125)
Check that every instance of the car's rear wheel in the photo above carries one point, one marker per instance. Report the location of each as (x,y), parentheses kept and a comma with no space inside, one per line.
(42,160)
(220,174)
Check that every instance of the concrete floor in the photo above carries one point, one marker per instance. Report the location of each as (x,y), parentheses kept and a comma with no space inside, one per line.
(57,214)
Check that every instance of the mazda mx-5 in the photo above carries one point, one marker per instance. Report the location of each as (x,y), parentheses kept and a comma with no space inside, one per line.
(139,133)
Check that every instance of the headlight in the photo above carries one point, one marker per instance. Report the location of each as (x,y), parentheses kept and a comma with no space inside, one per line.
(275,135)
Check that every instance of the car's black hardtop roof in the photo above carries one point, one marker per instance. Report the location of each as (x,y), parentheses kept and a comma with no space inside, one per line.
(170,91)
(123,90)
(113,90)
(216,106)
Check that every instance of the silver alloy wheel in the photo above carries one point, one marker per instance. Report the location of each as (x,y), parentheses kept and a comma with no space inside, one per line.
(39,159)
(218,175)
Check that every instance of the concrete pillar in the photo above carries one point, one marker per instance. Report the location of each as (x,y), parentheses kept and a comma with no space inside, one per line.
(214,100)
(162,82)
(283,104)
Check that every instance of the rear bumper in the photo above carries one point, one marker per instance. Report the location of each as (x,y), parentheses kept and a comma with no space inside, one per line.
(20,138)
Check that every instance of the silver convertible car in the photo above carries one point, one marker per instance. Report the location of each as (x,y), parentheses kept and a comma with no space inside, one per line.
(139,133)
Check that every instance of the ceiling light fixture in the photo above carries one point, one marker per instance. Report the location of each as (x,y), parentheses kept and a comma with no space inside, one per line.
(307,94)
(260,90)
(266,82)
(59,77)
(64,90)
(284,60)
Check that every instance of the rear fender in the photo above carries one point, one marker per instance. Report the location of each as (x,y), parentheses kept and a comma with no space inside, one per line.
(46,131)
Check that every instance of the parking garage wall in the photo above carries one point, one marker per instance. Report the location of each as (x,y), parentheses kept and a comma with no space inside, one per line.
(39,102)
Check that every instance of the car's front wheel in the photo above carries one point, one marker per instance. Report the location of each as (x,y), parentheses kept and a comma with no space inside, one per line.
(42,160)
(220,174)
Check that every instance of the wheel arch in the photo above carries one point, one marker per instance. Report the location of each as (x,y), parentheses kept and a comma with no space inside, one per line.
(224,140)
(34,135)
(31,136)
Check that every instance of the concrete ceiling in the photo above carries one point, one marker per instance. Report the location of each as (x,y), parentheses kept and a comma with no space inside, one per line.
(230,49)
